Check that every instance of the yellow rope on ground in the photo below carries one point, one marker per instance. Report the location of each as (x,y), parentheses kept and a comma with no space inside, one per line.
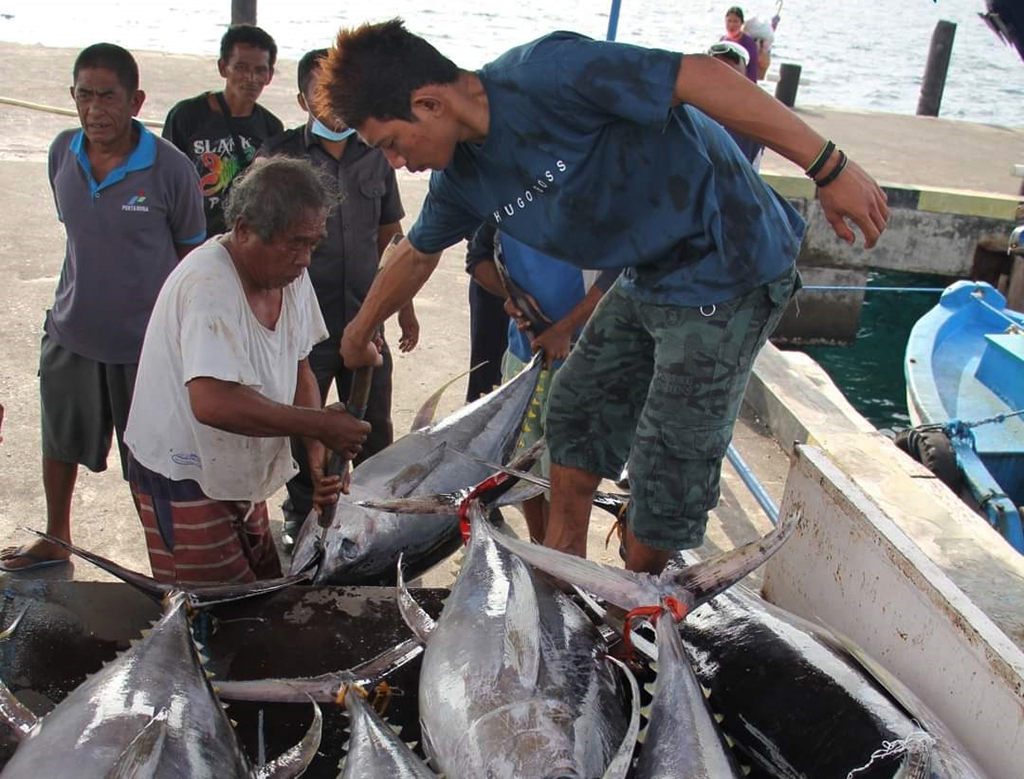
(49,109)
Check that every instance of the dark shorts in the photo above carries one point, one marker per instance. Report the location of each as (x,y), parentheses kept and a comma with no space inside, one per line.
(193,539)
(661,385)
(83,403)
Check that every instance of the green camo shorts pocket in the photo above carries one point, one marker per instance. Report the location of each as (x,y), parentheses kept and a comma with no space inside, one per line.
(682,468)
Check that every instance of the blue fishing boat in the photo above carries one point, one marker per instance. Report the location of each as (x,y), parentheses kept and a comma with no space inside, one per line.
(965,393)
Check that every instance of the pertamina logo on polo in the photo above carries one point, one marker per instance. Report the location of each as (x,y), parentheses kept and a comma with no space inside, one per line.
(136,202)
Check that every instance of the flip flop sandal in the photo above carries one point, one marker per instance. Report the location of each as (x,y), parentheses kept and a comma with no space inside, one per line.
(38,561)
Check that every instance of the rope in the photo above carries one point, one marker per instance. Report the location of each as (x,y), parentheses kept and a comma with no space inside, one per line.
(915,742)
(999,312)
(49,109)
(955,425)
(826,288)
(671,606)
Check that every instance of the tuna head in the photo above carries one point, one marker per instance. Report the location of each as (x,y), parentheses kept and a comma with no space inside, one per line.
(536,735)
(363,544)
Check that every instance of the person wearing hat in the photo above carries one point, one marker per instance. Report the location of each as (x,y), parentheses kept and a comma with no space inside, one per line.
(735,56)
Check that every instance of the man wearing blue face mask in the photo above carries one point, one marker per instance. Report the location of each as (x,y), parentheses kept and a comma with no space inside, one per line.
(365,216)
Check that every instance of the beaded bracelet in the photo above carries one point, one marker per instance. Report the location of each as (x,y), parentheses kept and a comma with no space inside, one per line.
(834,173)
(821,159)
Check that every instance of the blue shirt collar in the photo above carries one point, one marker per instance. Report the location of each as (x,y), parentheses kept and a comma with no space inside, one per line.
(141,157)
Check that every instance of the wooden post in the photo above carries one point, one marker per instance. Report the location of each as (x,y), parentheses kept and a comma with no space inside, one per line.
(789,80)
(243,11)
(935,71)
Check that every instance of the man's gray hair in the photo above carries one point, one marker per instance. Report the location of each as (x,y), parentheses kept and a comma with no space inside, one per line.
(274,193)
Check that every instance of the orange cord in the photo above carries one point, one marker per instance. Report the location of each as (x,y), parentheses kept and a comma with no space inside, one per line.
(487,484)
(670,606)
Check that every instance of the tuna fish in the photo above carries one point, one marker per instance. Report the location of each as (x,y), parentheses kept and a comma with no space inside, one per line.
(796,701)
(790,695)
(363,544)
(516,682)
(374,749)
(681,739)
(148,714)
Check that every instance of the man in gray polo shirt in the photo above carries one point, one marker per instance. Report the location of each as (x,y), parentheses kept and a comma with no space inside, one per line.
(131,208)
(365,216)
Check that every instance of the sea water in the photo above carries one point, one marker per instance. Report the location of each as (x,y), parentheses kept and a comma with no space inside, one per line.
(867,55)
(869,371)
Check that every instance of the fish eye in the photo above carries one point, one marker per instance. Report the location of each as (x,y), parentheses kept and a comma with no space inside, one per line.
(349,548)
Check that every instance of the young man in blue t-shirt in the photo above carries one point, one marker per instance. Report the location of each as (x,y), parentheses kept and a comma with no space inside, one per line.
(563,295)
(607,155)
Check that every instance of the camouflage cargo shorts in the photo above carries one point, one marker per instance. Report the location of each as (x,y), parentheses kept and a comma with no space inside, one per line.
(661,385)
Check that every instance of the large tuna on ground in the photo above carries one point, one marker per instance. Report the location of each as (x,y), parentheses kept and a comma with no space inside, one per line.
(681,739)
(797,701)
(148,714)
(516,682)
(364,543)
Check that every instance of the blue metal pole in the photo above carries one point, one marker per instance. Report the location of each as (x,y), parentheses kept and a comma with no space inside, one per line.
(756,489)
(613,19)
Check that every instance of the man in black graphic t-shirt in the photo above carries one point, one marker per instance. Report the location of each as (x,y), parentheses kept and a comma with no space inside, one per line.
(221,131)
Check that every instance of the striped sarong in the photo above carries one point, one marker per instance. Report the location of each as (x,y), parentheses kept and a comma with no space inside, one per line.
(193,539)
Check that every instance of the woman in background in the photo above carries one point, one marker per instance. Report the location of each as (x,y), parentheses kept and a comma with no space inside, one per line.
(734,32)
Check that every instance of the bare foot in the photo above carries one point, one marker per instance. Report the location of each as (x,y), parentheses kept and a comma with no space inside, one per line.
(34,554)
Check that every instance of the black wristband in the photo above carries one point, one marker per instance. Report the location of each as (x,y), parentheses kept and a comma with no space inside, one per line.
(834,173)
(821,159)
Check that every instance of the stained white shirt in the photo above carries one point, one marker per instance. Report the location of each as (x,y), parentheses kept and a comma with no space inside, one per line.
(202,326)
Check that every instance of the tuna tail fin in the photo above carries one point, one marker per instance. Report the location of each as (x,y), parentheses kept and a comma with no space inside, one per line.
(419,622)
(205,595)
(296,760)
(625,589)
(141,757)
(710,577)
(623,757)
(20,720)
